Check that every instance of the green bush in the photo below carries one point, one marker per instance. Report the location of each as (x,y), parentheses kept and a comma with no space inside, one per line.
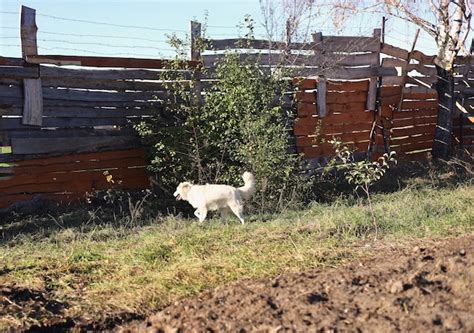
(239,126)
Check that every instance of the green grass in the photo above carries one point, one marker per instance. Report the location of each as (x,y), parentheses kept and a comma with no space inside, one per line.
(102,268)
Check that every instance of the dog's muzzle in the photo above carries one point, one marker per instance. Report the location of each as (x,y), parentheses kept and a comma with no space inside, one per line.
(177,196)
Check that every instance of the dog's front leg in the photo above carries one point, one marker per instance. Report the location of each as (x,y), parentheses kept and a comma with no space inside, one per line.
(202,214)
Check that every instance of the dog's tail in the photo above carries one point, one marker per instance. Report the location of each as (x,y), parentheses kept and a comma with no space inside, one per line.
(248,189)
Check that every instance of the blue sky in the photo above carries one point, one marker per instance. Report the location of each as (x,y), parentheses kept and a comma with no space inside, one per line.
(62,30)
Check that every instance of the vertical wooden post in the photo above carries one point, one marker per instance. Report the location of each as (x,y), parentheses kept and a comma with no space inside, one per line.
(321,92)
(196,55)
(289,31)
(33,94)
(444,126)
(321,96)
(373,86)
(287,51)
(372,94)
(317,39)
(382,39)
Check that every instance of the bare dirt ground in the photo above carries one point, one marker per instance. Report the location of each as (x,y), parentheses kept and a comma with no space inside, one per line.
(424,288)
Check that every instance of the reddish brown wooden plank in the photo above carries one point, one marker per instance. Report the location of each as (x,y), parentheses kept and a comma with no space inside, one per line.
(390,91)
(70,181)
(430,129)
(348,85)
(81,165)
(303,83)
(306,97)
(415,113)
(349,118)
(390,101)
(308,127)
(421,96)
(326,149)
(106,155)
(411,139)
(306,141)
(415,121)
(334,97)
(358,108)
(412,105)
(68,196)
(306,109)
(412,146)
(346,97)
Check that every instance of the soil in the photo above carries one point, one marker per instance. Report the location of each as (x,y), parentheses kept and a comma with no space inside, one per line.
(29,310)
(425,287)
(416,289)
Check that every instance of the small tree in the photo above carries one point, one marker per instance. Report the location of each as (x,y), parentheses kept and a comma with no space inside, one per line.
(362,174)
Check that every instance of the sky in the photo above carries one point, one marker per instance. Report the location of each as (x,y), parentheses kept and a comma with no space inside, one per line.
(140,28)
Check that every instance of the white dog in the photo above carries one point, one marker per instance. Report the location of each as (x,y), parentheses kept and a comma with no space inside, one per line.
(217,197)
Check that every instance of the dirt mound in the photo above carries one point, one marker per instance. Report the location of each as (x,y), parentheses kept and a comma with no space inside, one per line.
(425,288)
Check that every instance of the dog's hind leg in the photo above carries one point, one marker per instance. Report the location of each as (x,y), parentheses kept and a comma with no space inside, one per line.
(238,210)
(224,212)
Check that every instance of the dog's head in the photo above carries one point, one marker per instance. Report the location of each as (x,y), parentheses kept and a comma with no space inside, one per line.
(181,192)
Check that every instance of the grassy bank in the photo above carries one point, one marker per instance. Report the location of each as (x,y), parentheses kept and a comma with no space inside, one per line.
(100,268)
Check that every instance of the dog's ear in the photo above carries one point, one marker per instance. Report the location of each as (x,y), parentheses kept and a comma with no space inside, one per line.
(186,185)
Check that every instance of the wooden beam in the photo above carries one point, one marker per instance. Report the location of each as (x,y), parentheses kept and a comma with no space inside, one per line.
(19,72)
(33,102)
(321,96)
(372,94)
(33,96)
(7,61)
(89,61)
(196,40)
(28,30)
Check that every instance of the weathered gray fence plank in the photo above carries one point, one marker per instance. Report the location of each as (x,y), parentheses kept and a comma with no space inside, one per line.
(62,145)
(33,102)
(19,72)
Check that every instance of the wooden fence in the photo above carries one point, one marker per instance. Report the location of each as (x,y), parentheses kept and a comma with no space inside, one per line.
(85,118)
(463,122)
(69,119)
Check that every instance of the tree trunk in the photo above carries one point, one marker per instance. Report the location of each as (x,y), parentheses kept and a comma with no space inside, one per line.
(445,89)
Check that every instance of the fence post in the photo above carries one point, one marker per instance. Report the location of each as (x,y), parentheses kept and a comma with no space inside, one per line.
(373,86)
(444,126)
(321,96)
(321,84)
(289,30)
(317,39)
(33,94)
(196,44)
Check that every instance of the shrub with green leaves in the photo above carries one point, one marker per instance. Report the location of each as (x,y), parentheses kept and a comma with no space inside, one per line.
(239,126)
